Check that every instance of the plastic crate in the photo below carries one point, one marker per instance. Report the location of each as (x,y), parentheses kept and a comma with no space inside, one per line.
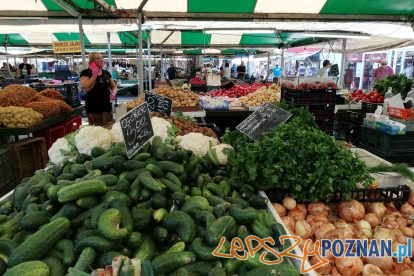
(28,156)
(73,124)
(323,112)
(297,97)
(402,157)
(7,177)
(399,195)
(70,93)
(385,143)
(405,114)
(408,123)
(197,88)
(51,134)
(369,107)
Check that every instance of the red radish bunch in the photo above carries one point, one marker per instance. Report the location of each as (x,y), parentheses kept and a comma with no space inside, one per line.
(236,91)
(198,81)
(371,97)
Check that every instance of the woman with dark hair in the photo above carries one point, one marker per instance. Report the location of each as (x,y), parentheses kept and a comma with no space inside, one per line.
(349,76)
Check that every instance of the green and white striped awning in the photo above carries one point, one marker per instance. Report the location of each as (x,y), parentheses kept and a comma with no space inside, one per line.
(337,7)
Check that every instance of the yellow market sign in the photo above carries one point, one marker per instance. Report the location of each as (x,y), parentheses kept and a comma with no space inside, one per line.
(60,47)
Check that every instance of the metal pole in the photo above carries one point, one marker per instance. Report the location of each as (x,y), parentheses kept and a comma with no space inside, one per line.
(395,60)
(162,65)
(7,54)
(37,68)
(282,63)
(108,34)
(361,79)
(403,62)
(149,61)
(15,62)
(343,60)
(82,41)
(140,72)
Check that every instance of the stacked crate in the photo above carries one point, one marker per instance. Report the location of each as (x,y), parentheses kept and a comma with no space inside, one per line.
(321,103)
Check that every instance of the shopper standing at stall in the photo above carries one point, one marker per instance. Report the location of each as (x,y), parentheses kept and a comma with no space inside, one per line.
(24,69)
(227,71)
(171,74)
(324,71)
(241,70)
(349,76)
(100,89)
(382,72)
(276,73)
(409,71)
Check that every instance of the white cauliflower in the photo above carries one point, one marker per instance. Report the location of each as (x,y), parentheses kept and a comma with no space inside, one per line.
(197,143)
(218,154)
(92,136)
(61,151)
(116,132)
(160,127)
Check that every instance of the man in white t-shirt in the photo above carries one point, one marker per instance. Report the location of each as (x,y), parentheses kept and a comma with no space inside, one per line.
(324,71)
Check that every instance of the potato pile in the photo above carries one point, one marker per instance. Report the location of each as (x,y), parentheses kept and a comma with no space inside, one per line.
(186,126)
(16,95)
(262,95)
(19,117)
(180,97)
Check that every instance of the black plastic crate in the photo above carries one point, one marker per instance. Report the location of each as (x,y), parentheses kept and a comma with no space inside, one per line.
(403,157)
(369,107)
(387,144)
(199,88)
(323,112)
(7,178)
(69,91)
(296,97)
(399,195)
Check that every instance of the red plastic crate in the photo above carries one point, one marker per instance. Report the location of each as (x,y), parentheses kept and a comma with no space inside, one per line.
(405,114)
(73,124)
(51,134)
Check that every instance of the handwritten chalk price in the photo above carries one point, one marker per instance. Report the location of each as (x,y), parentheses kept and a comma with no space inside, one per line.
(158,103)
(137,128)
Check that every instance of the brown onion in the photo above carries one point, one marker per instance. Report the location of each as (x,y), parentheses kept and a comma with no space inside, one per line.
(407,272)
(402,222)
(372,219)
(411,199)
(279,209)
(325,269)
(381,262)
(384,234)
(322,230)
(302,207)
(371,270)
(407,209)
(365,227)
(290,224)
(350,266)
(407,231)
(318,209)
(378,209)
(400,236)
(390,223)
(296,214)
(289,203)
(351,210)
(303,229)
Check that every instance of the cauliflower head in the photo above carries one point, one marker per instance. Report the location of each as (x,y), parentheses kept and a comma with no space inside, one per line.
(116,132)
(160,127)
(197,143)
(218,154)
(92,136)
(61,151)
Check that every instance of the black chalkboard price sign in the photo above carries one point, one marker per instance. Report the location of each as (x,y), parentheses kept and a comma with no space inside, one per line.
(266,118)
(137,128)
(158,103)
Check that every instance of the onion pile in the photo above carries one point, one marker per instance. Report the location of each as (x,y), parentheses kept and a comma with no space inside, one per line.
(352,220)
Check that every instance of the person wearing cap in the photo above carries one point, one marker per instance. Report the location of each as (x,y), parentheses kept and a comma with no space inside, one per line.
(301,70)
(382,72)
(324,71)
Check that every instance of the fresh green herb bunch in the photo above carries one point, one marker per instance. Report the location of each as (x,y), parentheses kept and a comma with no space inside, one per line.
(304,161)
(399,83)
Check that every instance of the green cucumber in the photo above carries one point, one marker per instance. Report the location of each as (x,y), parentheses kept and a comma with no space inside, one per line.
(85,260)
(182,223)
(68,210)
(168,262)
(134,165)
(34,220)
(67,247)
(171,186)
(225,226)
(147,249)
(38,244)
(142,156)
(160,234)
(260,229)
(96,242)
(168,166)
(55,265)
(205,252)
(243,216)
(134,240)
(81,189)
(37,268)
(149,182)
(178,247)
(126,218)
(173,178)
(87,202)
(154,170)
(108,179)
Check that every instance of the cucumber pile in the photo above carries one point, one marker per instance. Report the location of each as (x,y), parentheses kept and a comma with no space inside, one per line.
(165,206)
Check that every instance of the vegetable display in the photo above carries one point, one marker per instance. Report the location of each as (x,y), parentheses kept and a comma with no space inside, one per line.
(371,97)
(400,85)
(236,91)
(306,162)
(166,209)
(179,96)
(197,81)
(262,95)
(19,117)
(353,220)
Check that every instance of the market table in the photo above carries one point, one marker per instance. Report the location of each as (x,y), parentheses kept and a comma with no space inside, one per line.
(42,125)
(226,118)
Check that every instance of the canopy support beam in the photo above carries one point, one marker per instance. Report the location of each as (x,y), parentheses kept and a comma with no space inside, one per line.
(168,36)
(108,34)
(149,61)
(343,59)
(7,54)
(140,73)
(403,61)
(282,63)
(82,41)
(361,79)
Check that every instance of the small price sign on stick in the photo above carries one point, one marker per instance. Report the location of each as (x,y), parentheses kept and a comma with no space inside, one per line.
(158,103)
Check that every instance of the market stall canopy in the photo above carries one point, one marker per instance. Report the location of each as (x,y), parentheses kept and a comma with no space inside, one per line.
(396,10)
